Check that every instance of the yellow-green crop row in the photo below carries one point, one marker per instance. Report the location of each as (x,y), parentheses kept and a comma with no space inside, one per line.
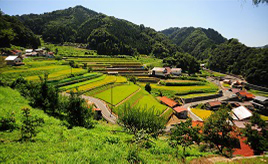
(36,69)
(121,79)
(107,80)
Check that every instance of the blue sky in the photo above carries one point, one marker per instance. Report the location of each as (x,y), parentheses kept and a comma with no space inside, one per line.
(232,18)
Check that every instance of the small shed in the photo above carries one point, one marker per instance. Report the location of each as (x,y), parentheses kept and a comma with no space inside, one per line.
(160,71)
(181,112)
(169,102)
(14,60)
(176,71)
(213,105)
(241,113)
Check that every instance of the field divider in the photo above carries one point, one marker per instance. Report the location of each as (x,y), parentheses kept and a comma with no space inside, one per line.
(127,98)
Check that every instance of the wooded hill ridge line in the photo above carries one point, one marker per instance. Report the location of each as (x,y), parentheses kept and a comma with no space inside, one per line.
(112,36)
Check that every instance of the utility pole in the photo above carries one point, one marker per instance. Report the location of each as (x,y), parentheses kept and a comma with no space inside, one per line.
(111,100)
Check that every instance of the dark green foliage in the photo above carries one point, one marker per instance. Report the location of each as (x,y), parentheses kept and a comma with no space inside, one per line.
(137,119)
(133,79)
(236,58)
(58,57)
(185,135)
(258,140)
(108,35)
(12,31)
(133,156)
(29,125)
(217,131)
(8,122)
(184,61)
(148,87)
(194,40)
(78,112)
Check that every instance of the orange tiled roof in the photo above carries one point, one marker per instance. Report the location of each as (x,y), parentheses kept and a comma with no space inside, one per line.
(214,103)
(179,109)
(246,94)
(169,102)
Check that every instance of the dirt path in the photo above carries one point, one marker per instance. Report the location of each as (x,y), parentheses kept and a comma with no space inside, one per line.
(127,98)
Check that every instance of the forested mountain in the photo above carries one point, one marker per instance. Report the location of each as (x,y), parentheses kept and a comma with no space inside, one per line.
(12,31)
(194,40)
(106,34)
(236,58)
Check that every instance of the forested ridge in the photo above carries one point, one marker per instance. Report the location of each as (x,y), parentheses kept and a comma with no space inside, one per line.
(12,31)
(106,34)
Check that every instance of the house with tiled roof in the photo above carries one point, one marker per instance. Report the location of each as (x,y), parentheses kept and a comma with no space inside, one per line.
(213,105)
(14,60)
(181,112)
(244,95)
(169,102)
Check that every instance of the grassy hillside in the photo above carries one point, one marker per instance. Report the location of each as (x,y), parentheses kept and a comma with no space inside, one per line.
(56,144)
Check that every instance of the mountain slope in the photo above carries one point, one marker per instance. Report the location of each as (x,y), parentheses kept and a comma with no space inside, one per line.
(194,40)
(106,34)
(12,31)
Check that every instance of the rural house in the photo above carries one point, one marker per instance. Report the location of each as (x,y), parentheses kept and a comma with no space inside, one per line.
(244,95)
(50,55)
(213,105)
(260,102)
(181,112)
(176,71)
(14,60)
(169,102)
(160,71)
(241,113)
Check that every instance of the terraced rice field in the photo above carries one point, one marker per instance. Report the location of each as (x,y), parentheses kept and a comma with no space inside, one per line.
(203,114)
(143,99)
(93,85)
(119,93)
(183,90)
(58,74)
(80,84)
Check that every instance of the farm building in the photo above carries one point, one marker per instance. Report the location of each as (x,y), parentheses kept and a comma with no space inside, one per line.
(160,71)
(213,105)
(241,113)
(15,52)
(39,51)
(14,60)
(244,95)
(169,102)
(28,50)
(181,112)
(176,71)
(50,55)
(260,102)
(227,81)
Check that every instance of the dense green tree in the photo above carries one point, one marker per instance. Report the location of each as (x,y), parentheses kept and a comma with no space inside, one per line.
(258,140)
(218,131)
(148,88)
(185,135)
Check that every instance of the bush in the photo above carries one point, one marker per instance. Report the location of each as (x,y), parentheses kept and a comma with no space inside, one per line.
(58,57)
(8,123)
(29,125)
(78,112)
(148,87)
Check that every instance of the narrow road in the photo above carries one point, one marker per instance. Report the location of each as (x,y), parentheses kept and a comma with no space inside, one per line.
(106,113)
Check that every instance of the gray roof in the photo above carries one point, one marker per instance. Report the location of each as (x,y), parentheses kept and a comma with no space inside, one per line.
(261,98)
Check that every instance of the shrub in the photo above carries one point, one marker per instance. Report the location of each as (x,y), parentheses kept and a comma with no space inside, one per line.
(8,123)
(58,57)
(29,125)
(148,87)
(133,156)
(78,112)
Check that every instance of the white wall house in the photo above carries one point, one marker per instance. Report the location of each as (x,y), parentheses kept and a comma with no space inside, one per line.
(176,71)
(159,71)
(13,60)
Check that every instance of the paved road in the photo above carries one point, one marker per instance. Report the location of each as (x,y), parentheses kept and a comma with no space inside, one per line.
(106,113)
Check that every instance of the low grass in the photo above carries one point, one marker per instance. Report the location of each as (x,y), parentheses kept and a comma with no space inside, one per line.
(167,113)
(256,160)
(197,95)
(119,93)
(181,83)
(258,93)
(55,143)
(203,114)
(68,87)
(226,85)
